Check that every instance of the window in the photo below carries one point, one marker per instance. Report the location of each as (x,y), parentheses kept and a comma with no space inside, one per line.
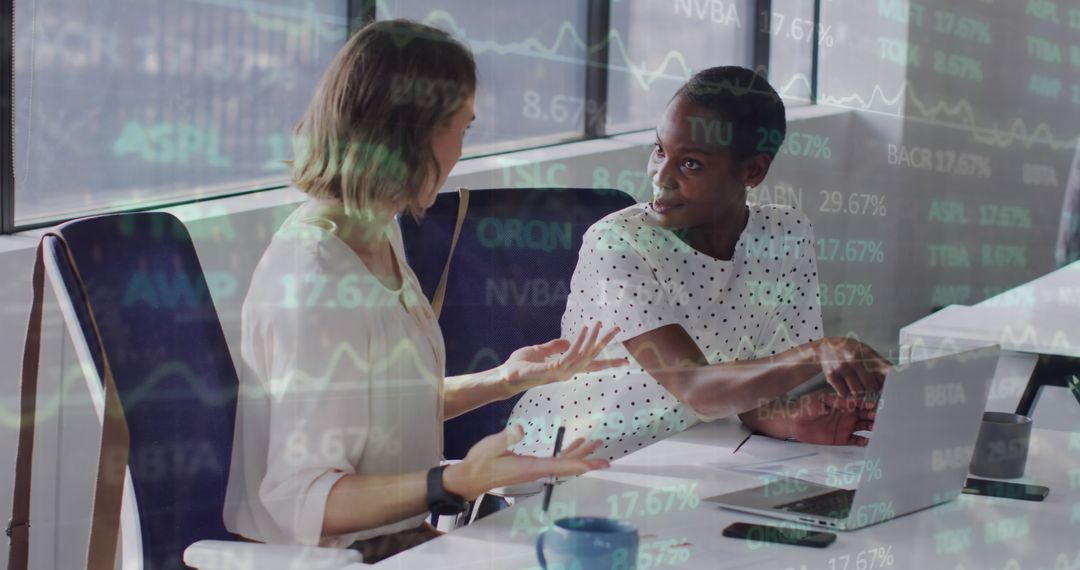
(790,28)
(656,46)
(531,62)
(122,103)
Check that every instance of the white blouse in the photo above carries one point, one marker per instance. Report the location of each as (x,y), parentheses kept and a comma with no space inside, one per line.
(640,277)
(342,375)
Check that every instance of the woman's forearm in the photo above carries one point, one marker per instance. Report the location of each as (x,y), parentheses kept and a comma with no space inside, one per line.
(360,502)
(736,387)
(470,391)
(772,419)
(713,391)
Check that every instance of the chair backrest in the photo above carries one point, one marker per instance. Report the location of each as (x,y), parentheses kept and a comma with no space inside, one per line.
(508,280)
(171,364)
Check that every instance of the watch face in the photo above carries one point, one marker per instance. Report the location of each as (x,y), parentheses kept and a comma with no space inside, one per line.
(440,501)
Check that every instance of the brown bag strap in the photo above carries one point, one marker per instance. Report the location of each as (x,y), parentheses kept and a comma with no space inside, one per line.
(18,529)
(440,290)
(115,440)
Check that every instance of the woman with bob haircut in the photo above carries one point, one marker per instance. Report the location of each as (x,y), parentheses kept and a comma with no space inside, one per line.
(717,299)
(339,427)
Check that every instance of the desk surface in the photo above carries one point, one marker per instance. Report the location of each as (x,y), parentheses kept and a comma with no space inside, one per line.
(970,532)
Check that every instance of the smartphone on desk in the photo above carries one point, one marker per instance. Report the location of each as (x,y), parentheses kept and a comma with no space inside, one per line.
(1005,490)
(780,535)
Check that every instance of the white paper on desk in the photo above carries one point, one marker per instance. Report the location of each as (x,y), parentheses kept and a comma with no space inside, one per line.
(770,459)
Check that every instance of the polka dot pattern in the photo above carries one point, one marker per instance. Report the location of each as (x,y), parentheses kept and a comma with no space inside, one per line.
(638,276)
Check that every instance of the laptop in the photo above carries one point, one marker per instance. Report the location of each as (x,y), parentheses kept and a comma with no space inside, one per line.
(924,434)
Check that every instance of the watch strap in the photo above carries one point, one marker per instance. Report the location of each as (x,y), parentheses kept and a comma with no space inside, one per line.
(439,500)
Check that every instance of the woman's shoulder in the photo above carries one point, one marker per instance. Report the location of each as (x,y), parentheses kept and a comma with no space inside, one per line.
(629,216)
(631,225)
(298,255)
(301,245)
(776,218)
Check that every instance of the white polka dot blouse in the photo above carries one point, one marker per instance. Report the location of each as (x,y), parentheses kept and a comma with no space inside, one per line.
(636,275)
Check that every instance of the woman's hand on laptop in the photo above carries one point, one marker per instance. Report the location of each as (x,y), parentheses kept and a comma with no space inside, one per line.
(825,418)
(850,367)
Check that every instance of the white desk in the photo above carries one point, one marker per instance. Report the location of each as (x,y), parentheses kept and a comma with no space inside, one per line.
(966,533)
(1039,317)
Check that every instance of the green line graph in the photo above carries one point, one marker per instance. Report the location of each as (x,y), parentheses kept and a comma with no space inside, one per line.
(49,405)
(308,20)
(672,66)
(291,21)
(961,110)
(533,47)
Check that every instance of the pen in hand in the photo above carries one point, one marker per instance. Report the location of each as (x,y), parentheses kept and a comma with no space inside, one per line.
(549,485)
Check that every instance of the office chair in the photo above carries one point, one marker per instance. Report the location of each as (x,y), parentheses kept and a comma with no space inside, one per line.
(508,280)
(176,383)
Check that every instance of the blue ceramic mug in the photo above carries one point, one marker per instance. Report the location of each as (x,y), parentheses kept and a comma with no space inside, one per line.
(588,542)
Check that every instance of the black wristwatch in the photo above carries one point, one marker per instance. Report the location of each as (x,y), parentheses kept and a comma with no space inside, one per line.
(439,500)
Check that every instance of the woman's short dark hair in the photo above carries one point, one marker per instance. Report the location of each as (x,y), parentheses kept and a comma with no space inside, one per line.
(367,134)
(745,99)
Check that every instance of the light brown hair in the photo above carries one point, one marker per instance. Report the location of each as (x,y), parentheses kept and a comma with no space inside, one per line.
(366,137)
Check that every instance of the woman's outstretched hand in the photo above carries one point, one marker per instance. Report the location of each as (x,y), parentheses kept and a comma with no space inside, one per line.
(558,360)
(490,464)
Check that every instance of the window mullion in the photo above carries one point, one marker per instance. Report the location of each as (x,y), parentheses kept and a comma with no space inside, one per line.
(359,13)
(7,117)
(816,53)
(762,36)
(598,30)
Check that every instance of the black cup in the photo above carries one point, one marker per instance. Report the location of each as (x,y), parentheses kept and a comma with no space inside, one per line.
(1002,447)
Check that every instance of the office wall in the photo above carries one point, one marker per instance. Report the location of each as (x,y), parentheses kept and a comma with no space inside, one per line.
(973,114)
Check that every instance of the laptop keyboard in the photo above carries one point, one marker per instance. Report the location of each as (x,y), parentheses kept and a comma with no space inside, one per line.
(835,504)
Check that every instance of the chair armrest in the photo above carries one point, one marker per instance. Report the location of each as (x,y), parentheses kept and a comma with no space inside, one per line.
(230,555)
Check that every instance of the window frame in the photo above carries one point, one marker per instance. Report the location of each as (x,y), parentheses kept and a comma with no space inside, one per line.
(762,34)
(7,117)
(360,13)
